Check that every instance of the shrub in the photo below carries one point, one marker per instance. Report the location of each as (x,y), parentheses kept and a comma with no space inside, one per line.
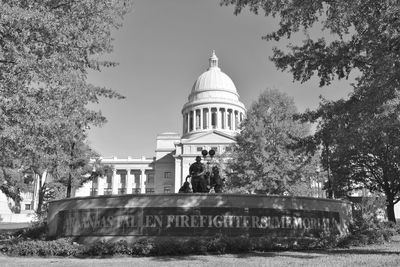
(262,243)
(169,247)
(100,248)
(238,244)
(198,246)
(142,248)
(37,231)
(217,245)
(367,228)
(60,247)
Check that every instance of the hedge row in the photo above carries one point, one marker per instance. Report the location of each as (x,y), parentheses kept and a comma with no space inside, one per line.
(216,245)
(31,242)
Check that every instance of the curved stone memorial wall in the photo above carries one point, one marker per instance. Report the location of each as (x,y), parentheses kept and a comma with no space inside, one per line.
(132,217)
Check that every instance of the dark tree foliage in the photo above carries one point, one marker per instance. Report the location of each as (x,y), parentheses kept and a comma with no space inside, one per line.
(359,135)
(46,49)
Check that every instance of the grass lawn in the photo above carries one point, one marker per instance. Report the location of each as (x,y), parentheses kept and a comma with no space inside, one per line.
(374,255)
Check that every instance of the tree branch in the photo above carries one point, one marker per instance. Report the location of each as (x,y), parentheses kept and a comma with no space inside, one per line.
(7,61)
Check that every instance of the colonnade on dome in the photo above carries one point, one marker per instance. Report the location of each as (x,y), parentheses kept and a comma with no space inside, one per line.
(212,117)
(213,103)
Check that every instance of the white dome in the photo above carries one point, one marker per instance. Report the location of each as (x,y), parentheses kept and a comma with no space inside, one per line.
(213,84)
(213,79)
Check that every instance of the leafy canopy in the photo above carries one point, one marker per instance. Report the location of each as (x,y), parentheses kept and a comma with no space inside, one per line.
(262,160)
(46,49)
(360,134)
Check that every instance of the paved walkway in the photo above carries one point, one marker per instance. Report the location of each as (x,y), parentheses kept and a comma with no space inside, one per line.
(12,226)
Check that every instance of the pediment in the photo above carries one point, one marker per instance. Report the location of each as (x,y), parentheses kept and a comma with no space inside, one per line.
(212,137)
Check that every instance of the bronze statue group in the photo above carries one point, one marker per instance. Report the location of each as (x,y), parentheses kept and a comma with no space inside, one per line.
(202,181)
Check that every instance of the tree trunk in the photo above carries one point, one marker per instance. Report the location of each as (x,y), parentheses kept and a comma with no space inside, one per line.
(390,212)
(40,199)
(69,186)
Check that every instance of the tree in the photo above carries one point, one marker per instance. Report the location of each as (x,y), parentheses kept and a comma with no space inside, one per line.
(46,48)
(262,160)
(364,148)
(361,130)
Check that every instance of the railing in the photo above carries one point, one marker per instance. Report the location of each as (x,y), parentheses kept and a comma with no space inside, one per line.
(107,191)
(121,191)
(136,190)
(149,190)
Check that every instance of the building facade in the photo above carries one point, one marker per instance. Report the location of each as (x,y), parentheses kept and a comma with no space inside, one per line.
(210,120)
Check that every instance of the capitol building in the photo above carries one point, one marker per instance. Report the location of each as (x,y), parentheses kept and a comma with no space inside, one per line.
(210,120)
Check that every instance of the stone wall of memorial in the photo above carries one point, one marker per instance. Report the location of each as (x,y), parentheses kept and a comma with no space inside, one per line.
(190,215)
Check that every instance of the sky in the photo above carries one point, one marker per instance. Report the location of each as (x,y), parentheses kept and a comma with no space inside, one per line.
(164,46)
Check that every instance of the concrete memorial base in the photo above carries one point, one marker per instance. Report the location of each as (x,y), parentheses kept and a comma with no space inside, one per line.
(133,217)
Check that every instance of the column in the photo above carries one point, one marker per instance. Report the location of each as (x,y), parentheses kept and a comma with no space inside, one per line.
(235,120)
(129,182)
(115,182)
(194,119)
(209,119)
(219,118)
(179,180)
(225,118)
(201,119)
(187,122)
(101,181)
(232,120)
(184,123)
(143,179)
(228,119)
(222,118)
(198,123)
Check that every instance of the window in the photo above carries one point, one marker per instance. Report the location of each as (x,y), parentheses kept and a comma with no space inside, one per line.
(121,191)
(95,180)
(149,190)
(199,149)
(215,148)
(228,149)
(27,206)
(109,178)
(93,192)
(150,178)
(167,189)
(167,175)
(137,178)
(123,180)
(122,174)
